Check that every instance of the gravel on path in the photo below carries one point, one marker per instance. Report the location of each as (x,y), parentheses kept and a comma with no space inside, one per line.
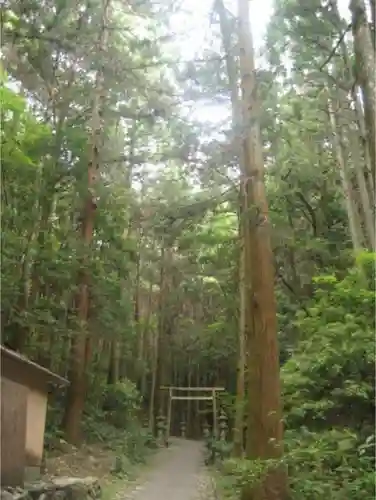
(178,474)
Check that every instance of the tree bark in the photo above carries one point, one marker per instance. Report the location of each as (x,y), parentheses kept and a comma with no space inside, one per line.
(114,362)
(155,397)
(81,348)
(348,74)
(153,391)
(232,75)
(140,333)
(365,73)
(353,216)
(265,430)
(368,219)
(146,341)
(359,146)
(372,5)
(240,373)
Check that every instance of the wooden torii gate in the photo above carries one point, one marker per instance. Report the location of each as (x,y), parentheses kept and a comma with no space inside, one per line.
(172,397)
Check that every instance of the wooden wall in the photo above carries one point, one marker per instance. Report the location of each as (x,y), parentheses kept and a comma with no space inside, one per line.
(13,432)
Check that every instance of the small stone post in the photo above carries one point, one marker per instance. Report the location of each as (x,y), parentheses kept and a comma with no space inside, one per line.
(146,424)
(206,431)
(222,426)
(208,443)
(161,429)
(183,428)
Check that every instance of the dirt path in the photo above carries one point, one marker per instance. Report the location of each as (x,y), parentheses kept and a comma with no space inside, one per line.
(178,473)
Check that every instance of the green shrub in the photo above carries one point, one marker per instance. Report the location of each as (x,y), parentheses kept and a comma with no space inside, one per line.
(121,403)
(329,380)
(217,450)
(328,386)
(331,464)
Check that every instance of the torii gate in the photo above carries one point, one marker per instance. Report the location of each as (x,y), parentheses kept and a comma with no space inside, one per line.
(213,394)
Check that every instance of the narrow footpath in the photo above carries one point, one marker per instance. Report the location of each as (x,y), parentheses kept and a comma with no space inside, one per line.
(178,473)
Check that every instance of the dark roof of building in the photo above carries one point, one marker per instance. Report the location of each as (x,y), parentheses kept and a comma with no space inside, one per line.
(18,358)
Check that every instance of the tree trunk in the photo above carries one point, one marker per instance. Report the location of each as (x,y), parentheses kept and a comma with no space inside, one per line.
(372,5)
(137,317)
(353,216)
(348,74)
(265,430)
(162,325)
(240,374)
(197,427)
(189,402)
(81,349)
(77,374)
(365,72)
(154,363)
(155,398)
(146,337)
(358,140)
(368,219)
(232,75)
(114,362)
(364,140)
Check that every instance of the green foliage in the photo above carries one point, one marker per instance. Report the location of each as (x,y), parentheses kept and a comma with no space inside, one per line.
(168,184)
(328,385)
(217,450)
(332,367)
(131,444)
(332,463)
(120,403)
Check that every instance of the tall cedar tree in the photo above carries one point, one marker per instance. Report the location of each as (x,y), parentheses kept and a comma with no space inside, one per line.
(81,343)
(265,431)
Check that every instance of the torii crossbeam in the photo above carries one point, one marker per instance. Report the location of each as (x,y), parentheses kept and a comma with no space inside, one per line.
(212,397)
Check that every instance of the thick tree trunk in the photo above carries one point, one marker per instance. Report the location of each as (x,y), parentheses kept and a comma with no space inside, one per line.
(365,73)
(77,373)
(265,430)
(232,75)
(81,346)
(368,219)
(359,146)
(348,74)
(366,169)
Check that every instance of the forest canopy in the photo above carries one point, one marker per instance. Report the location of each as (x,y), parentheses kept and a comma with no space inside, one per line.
(185,216)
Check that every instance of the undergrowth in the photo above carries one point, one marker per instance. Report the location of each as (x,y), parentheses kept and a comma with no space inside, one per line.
(334,465)
(328,391)
(114,424)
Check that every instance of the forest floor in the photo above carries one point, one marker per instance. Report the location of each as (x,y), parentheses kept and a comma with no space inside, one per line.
(176,472)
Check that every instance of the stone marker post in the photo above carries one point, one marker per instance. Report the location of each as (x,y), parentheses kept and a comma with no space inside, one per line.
(161,429)
(183,429)
(206,431)
(222,426)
